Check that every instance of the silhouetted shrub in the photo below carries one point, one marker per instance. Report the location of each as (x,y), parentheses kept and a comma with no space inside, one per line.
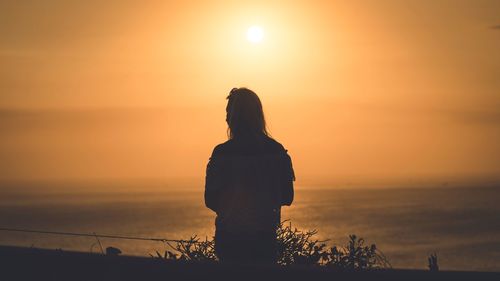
(193,249)
(295,247)
(298,247)
(356,256)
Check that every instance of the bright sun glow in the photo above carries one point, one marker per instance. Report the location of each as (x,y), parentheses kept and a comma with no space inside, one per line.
(255,34)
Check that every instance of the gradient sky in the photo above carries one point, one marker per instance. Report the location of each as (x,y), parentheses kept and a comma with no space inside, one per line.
(357,91)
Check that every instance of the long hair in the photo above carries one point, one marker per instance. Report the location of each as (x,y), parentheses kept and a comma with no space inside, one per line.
(245,116)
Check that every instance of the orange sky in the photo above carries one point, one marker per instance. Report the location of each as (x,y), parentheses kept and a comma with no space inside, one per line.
(358,91)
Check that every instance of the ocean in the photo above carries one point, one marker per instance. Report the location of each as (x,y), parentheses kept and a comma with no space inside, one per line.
(460,225)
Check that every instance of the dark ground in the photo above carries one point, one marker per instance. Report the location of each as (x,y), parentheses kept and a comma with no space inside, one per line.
(18,263)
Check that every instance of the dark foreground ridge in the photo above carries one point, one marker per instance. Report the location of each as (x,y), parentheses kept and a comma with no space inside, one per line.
(17,263)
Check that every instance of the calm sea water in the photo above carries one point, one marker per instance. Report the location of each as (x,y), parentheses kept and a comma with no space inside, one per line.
(461,225)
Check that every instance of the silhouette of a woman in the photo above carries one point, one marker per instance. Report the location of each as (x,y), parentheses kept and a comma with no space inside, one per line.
(248,179)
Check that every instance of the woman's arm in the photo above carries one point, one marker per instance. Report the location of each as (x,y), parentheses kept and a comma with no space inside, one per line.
(288,179)
(213,181)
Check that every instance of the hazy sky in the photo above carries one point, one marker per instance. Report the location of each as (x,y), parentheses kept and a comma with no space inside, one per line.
(356,90)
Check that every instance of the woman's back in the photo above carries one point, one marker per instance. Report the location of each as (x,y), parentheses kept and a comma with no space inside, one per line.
(247,183)
(248,179)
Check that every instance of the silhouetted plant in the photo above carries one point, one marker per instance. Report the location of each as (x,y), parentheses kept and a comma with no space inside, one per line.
(355,255)
(193,249)
(433,262)
(295,247)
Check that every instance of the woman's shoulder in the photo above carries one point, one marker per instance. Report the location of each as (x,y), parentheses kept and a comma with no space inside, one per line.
(221,148)
(276,145)
(267,145)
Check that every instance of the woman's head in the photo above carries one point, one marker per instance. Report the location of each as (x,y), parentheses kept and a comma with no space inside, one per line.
(244,114)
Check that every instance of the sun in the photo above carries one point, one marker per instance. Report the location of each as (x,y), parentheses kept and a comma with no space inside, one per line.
(255,34)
